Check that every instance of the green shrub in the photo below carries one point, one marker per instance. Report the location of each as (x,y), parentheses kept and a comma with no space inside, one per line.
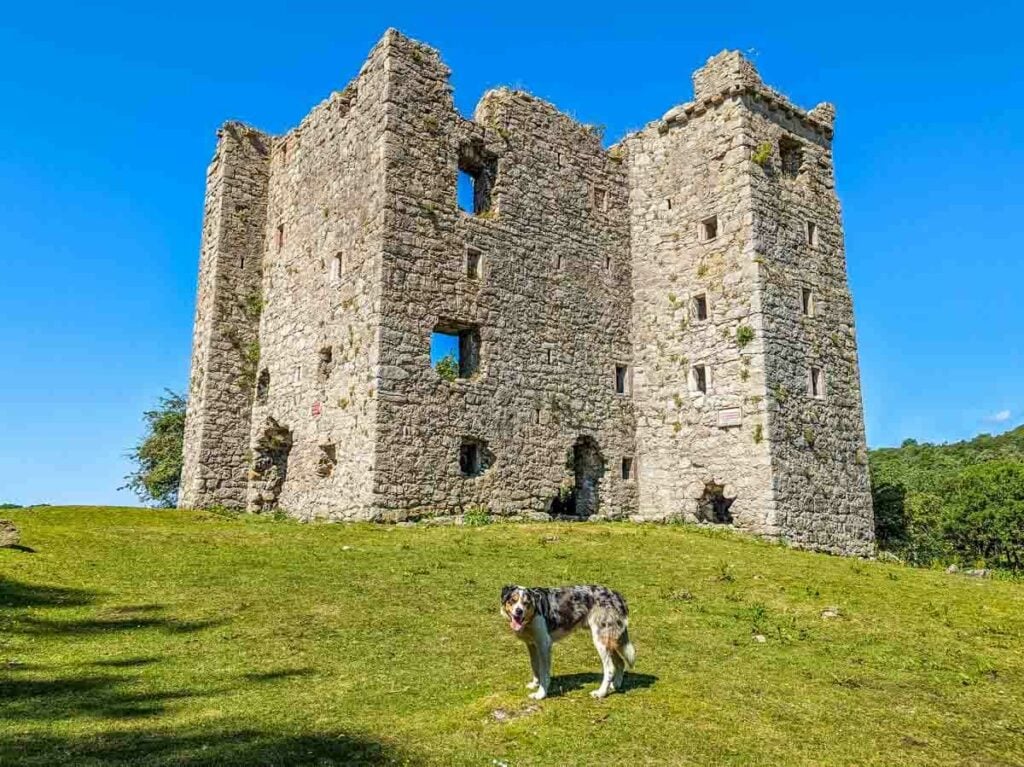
(983,514)
(157,457)
(447,367)
(476,516)
(744,335)
(762,154)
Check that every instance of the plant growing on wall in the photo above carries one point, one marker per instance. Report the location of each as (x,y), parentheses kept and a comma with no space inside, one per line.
(762,154)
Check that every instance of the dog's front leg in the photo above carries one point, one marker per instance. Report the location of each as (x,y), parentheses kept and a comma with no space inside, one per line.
(534,666)
(543,650)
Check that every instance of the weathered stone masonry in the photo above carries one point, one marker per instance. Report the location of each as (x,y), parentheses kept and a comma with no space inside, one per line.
(659,330)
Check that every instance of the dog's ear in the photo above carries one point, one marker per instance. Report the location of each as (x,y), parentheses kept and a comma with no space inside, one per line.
(506,592)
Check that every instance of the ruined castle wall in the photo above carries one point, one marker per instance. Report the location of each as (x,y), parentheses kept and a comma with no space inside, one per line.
(224,340)
(819,454)
(313,432)
(550,305)
(684,172)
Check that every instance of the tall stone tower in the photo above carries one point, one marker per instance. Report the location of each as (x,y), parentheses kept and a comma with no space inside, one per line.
(746,382)
(660,330)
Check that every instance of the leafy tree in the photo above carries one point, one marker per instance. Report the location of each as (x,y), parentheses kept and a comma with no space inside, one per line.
(984,513)
(447,367)
(158,455)
(937,502)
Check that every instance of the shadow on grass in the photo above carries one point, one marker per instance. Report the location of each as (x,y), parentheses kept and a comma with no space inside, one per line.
(17,594)
(89,626)
(570,682)
(97,696)
(273,676)
(207,749)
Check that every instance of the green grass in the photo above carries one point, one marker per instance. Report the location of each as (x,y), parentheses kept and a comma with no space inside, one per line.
(164,637)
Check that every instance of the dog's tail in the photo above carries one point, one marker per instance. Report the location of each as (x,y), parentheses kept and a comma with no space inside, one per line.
(626,649)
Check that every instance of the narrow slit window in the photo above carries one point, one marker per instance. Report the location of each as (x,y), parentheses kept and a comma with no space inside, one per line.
(627,467)
(558,261)
(474,457)
(337,267)
(669,201)
(325,363)
(807,302)
(709,228)
(812,233)
(280,237)
(478,172)
(621,379)
(548,355)
(474,259)
(607,263)
(699,379)
(700,307)
(816,383)
(791,156)
(263,387)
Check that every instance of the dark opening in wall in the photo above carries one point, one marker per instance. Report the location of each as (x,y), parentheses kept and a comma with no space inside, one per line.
(455,349)
(558,261)
(713,506)
(699,379)
(270,465)
(474,457)
(700,307)
(262,387)
(327,460)
(325,364)
(816,383)
(474,262)
(807,302)
(627,467)
(607,263)
(709,228)
(669,201)
(621,379)
(279,237)
(812,233)
(478,172)
(791,156)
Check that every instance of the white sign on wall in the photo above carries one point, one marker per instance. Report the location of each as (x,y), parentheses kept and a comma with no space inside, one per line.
(729,416)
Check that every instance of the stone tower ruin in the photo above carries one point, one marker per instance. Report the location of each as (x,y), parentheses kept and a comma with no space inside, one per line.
(658,330)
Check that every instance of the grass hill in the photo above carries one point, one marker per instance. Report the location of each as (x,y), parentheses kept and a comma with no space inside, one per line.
(179,638)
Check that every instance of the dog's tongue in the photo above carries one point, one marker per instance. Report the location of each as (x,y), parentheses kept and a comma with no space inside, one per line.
(516,625)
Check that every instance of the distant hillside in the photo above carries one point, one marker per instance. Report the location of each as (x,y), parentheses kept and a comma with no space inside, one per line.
(925,495)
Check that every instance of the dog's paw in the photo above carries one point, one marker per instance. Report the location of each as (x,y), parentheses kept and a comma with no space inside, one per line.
(532,685)
(541,694)
(598,693)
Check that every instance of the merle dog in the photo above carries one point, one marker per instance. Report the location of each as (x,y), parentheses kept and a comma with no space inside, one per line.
(540,617)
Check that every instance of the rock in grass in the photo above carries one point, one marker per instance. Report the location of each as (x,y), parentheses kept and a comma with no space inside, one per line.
(980,573)
(830,612)
(9,535)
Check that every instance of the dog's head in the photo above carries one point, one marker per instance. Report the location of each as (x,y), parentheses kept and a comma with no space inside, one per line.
(518,606)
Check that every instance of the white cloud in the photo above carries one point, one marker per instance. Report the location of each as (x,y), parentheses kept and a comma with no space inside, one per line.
(1002,415)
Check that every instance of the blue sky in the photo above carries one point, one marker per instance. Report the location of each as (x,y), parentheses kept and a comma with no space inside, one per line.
(109,120)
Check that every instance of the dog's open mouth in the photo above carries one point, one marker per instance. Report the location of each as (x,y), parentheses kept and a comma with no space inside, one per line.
(515,623)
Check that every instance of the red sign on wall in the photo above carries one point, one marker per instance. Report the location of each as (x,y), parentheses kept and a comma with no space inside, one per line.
(316,409)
